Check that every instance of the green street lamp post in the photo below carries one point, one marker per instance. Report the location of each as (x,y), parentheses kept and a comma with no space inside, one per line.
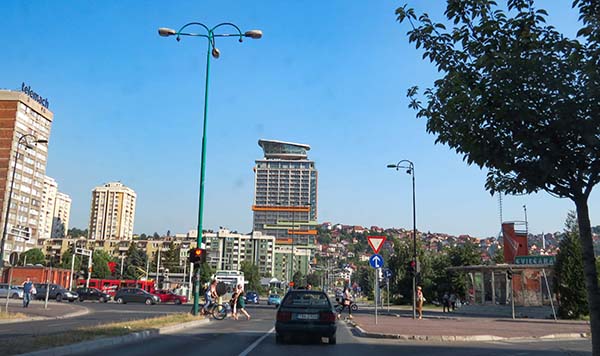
(214,51)
(410,169)
(22,140)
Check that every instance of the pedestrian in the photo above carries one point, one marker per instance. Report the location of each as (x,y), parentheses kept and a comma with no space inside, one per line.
(309,286)
(453,301)
(420,300)
(241,303)
(233,302)
(446,303)
(346,302)
(27,291)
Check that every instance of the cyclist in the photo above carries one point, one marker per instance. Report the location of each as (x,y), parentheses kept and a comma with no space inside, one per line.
(210,296)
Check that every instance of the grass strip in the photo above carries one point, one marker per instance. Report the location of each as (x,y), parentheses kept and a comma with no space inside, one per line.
(6,316)
(23,344)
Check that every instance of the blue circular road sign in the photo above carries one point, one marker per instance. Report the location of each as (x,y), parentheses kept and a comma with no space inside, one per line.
(376,261)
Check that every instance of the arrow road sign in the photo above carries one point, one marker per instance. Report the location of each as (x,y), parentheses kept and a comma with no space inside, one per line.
(376,242)
(376,261)
(387,273)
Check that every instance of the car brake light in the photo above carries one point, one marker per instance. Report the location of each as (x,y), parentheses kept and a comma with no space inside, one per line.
(284,316)
(327,316)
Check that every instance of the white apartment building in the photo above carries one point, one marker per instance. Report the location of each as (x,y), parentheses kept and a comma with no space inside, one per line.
(112,212)
(23,122)
(47,207)
(62,213)
(227,251)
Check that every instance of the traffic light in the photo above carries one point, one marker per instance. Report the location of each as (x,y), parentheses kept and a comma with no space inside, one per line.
(197,255)
(509,274)
(412,268)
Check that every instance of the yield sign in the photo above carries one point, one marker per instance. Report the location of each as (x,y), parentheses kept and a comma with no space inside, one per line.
(376,242)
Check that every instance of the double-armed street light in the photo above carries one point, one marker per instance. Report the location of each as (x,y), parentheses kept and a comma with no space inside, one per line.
(410,169)
(213,51)
(22,140)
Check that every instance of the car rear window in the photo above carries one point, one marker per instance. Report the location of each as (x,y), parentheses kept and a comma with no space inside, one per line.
(306,299)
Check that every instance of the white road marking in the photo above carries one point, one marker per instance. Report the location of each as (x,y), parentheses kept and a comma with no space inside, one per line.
(255,343)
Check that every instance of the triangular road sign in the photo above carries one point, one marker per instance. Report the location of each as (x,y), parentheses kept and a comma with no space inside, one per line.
(376,242)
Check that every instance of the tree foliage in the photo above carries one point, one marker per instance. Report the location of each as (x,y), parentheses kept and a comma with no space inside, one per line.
(570,285)
(100,259)
(134,263)
(521,100)
(75,233)
(251,275)
(34,256)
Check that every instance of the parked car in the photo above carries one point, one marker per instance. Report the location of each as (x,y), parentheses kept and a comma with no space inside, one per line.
(14,292)
(274,299)
(252,297)
(56,291)
(306,313)
(92,294)
(166,296)
(135,295)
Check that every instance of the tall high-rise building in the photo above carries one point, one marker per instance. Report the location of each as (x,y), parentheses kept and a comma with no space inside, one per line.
(112,212)
(285,193)
(47,209)
(24,118)
(62,213)
(55,211)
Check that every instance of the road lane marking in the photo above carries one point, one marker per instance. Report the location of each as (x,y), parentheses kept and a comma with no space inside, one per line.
(255,343)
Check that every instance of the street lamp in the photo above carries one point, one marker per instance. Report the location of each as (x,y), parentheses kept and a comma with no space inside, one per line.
(410,169)
(214,51)
(22,139)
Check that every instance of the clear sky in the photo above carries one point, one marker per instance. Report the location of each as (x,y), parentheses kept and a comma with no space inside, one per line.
(331,74)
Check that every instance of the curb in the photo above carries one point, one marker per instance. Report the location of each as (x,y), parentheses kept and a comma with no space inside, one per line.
(93,345)
(468,338)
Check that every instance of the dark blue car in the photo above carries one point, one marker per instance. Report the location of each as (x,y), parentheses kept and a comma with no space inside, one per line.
(252,297)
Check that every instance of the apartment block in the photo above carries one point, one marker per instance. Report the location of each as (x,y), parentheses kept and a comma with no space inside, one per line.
(112,212)
(23,121)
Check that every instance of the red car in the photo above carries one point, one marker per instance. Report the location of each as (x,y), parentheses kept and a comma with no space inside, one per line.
(168,296)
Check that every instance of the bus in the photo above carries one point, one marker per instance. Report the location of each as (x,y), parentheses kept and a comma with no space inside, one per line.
(110,286)
(230,278)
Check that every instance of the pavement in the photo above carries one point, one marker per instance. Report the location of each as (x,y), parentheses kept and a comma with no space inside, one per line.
(36,310)
(447,327)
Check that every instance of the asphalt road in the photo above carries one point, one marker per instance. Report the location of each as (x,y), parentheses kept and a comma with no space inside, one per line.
(256,337)
(100,313)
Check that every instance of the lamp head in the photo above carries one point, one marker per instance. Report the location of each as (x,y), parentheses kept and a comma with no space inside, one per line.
(254,34)
(392,166)
(215,52)
(166,32)
(409,171)
(41,141)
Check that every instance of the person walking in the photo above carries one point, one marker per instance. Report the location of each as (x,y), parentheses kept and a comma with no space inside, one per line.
(346,302)
(453,301)
(241,303)
(420,300)
(446,303)
(27,291)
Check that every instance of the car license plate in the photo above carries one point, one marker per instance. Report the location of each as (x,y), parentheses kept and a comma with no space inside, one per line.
(308,316)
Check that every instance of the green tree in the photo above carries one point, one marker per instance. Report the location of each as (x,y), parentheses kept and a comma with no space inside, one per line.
(100,259)
(67,257)
(521,100)
(34,256)
(135,262)
(251,275)
(298,279)
(75,233)
(570,285)
(314,279)
(206,273)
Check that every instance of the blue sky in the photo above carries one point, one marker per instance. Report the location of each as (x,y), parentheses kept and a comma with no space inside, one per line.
(331,74)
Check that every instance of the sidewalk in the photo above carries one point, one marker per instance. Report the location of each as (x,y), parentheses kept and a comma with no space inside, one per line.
(36,310)
(465,328)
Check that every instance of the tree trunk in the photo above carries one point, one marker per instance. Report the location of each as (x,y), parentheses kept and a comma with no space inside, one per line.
(589,269)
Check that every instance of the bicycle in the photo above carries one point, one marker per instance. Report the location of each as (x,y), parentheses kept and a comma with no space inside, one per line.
(218,311)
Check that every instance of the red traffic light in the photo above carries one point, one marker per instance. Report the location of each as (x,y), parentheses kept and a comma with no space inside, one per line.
(197,255)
